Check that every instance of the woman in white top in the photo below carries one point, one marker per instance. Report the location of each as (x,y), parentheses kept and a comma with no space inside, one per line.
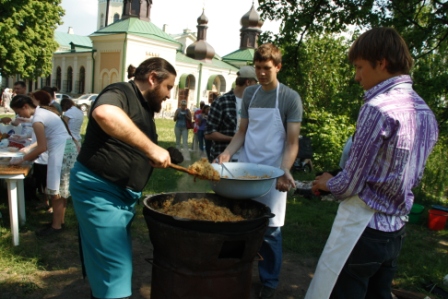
(53,136)
(6,99)
(73,117)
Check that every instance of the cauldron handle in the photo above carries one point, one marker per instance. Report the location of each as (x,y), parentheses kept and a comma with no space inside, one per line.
(269,215)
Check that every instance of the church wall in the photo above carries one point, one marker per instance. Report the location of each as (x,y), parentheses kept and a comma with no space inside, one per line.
(76,61)
(108,60)
(139,49)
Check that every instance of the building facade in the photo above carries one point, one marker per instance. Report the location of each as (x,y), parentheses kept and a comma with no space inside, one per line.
(125,36)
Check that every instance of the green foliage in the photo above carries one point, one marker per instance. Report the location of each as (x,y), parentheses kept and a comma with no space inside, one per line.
(27,36)
(434,185)
(330,132)
(331,99)
(315,64)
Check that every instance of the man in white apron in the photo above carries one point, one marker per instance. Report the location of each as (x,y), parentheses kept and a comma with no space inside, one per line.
(395,133)
(271,114)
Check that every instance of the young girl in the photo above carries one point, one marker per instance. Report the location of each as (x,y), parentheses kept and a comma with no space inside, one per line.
(73,117)
(52,136)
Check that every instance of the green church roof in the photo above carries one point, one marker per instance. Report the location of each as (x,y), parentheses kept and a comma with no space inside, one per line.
(240,55)
(138,27)
(81,43)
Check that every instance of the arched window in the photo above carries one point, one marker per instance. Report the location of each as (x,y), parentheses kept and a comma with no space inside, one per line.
(116,17)
(113,78)
(69,79)
(82,80)
(105,80)
(58,78)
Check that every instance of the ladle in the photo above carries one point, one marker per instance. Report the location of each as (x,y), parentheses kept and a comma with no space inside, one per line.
(224,166)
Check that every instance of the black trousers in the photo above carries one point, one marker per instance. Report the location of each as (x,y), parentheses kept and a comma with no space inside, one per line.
(371,266)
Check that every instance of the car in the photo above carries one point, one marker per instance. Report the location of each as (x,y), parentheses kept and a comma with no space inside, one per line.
(60,96)
(85,101)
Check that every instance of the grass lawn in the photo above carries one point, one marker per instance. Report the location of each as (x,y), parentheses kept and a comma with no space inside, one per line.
(308,223)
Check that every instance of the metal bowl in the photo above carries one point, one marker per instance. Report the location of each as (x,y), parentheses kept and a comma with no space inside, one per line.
(239,187)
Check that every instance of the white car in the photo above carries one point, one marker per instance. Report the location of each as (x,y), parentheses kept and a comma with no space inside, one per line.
(60,96)
(85,101)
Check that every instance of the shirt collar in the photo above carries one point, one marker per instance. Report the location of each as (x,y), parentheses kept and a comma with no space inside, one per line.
(386,85)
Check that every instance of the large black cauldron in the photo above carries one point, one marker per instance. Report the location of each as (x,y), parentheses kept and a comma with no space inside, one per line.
(255,213)
(195,259)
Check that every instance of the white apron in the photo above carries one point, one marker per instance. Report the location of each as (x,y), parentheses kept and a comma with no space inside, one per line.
(351,220)
(264,144)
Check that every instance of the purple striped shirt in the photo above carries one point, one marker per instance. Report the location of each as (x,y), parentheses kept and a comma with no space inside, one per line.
(395,133)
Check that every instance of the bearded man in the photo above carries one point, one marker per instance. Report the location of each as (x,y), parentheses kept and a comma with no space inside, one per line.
(115,163)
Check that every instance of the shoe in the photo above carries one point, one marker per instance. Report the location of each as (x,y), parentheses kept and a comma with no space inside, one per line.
(50,224)
(47,231)
(267,293)
(42,206)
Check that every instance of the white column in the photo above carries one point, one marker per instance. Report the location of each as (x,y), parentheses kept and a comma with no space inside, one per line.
(63,75)
(89,68)
(53,72)
(75,75)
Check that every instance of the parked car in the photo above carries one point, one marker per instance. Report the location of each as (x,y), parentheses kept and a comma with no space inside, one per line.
(85,101)
(60,96)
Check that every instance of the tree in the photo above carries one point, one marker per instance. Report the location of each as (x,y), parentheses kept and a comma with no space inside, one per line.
(304,23)
(422,23)
(27,36)
(331,98)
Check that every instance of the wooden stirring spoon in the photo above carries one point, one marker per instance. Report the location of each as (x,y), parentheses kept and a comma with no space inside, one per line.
(193,173)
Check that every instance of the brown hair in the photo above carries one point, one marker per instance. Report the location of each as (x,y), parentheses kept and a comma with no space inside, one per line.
(382,43)
(67,104)
(267,52)
(159,66)
(50,90)
(20,100)
(43,97)
(131,71)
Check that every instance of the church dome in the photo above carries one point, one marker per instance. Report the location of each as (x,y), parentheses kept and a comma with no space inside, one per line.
(251,18)
(200,50)
(203,20)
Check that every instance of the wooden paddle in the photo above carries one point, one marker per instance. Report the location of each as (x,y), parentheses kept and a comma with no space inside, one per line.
(193,173)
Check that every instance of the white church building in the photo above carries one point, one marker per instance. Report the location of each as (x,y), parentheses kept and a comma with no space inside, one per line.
(126,36)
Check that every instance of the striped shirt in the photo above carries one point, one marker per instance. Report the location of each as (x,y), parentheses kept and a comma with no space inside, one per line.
(395,133)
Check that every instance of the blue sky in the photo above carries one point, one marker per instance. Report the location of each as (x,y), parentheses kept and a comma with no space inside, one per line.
(223,28)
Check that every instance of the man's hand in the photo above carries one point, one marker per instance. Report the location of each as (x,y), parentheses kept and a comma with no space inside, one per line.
(160,157)
(223,157)
(285,182)
(320,183)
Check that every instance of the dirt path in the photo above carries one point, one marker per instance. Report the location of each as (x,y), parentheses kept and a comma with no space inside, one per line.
(68,283)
